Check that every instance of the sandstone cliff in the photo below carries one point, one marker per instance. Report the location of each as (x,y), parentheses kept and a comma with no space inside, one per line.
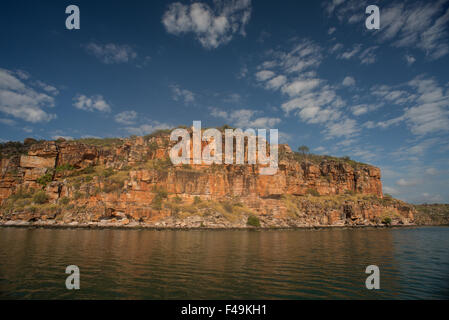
(132,182)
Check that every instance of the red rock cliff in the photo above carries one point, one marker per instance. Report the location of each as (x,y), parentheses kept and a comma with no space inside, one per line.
(132,181)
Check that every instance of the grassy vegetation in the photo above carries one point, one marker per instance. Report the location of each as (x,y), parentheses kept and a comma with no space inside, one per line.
(158,133)
(26,200)
(312,192)
(157,164)
(11,148)
(106,143)
(432,214)
(232,210)
(40,197)
(161,195)
(64,167)
(303,157)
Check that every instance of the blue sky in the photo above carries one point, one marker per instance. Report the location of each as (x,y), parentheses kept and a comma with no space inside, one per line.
(310,69)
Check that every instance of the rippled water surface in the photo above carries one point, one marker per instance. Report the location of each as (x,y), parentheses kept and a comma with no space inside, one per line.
(300,264)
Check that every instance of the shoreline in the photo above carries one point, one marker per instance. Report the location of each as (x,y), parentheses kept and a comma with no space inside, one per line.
(138,226)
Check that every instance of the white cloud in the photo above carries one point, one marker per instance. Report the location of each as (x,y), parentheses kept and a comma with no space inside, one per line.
(422,24)
(331,30)
(8,122)
(351,53)
(360,109)
(300,86)
(406,183)
(390,190)
(264,75)
(348,81)
(431,171)
(410,59)
(20,100)
(182,94)
(245,118)
(93,103)
(126,117)
(46,87)
(318,106)
(365,56)
(276,82)
(148,128)
(336,47)
(111,53)
(345,128)
(211,26)
(430,198)
(63,137)
(430,114)
(427,106)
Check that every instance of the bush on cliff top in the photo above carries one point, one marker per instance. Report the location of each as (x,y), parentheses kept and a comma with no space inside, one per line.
(98,142)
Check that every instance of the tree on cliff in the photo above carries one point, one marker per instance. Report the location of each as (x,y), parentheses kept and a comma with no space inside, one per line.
(304,150)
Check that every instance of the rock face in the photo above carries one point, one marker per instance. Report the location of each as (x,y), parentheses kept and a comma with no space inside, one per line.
(129,181)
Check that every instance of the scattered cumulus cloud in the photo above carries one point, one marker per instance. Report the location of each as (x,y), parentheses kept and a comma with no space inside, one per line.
(431,171)
(409,59)
(22,99)
(92,103)
(245,118)
(366,56)
(62,137)
(111,53)
(421,24)
(348,81)
(126,117)
(212,26)
(180,94)
(147,128)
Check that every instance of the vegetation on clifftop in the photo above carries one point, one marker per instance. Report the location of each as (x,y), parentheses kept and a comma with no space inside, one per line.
(432,214)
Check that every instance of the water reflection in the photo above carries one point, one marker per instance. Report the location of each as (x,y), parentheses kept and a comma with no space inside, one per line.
(302,264)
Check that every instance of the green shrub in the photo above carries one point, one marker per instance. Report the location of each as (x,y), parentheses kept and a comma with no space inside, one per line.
(386,220)
(107,172)
(161,194)
(312,192)
(64,201)
(40,197)
(77,195)
(65,167)
(197,200)
(253,221)
(86,170)
(45,179)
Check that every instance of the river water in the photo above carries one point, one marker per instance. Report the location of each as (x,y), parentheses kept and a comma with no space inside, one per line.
(294,264)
